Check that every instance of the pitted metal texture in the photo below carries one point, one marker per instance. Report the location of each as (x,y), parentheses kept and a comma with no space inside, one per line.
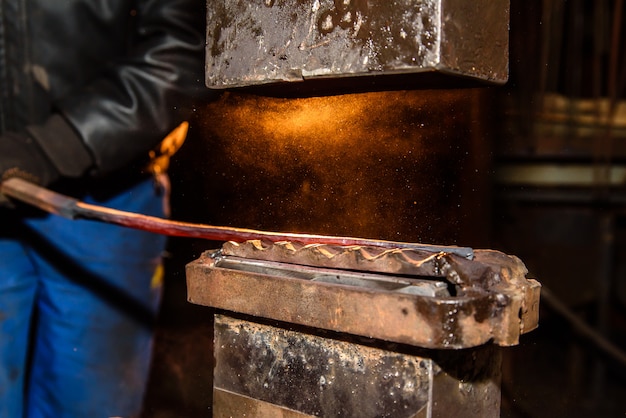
(461,303)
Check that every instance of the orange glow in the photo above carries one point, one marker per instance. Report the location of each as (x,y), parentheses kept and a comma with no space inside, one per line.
(380,164)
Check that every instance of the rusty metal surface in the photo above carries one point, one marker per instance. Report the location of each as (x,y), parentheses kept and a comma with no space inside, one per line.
(318,376)
(264,369)
(264,41)
(491,299)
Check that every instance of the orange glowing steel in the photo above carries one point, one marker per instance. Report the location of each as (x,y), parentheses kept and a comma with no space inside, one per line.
(71,208)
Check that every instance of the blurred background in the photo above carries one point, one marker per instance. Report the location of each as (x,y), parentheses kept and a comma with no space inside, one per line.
(534,168)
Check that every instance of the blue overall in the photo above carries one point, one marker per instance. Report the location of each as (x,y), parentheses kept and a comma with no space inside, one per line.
(77,303)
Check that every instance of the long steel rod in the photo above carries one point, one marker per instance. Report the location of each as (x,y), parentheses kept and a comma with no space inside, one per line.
(71,208)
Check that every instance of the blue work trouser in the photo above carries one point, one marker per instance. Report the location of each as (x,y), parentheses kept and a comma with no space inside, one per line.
(77,303)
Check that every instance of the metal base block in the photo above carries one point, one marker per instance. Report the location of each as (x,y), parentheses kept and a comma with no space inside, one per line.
(270,369)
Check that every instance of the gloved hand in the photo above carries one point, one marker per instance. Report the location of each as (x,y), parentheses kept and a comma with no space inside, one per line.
(43,155)
(21,156)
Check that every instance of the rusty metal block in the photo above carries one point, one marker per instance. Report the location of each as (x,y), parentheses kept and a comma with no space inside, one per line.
(265,370)
(430,300)
(251,42)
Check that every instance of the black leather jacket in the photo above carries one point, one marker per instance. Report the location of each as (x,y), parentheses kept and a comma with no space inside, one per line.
(120,72)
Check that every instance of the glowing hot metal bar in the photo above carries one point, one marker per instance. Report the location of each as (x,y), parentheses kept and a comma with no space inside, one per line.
(73,209)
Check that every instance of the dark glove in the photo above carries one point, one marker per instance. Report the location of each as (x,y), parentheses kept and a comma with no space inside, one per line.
(44,154)
(21,156)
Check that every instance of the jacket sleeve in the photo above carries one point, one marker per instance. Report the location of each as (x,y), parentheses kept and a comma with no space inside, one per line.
(148,91)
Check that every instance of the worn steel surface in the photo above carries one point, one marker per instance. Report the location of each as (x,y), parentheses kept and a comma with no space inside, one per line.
(267,370)
(253,42)
(490,297)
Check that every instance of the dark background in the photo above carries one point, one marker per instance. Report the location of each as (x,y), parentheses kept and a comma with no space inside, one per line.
(431,166)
